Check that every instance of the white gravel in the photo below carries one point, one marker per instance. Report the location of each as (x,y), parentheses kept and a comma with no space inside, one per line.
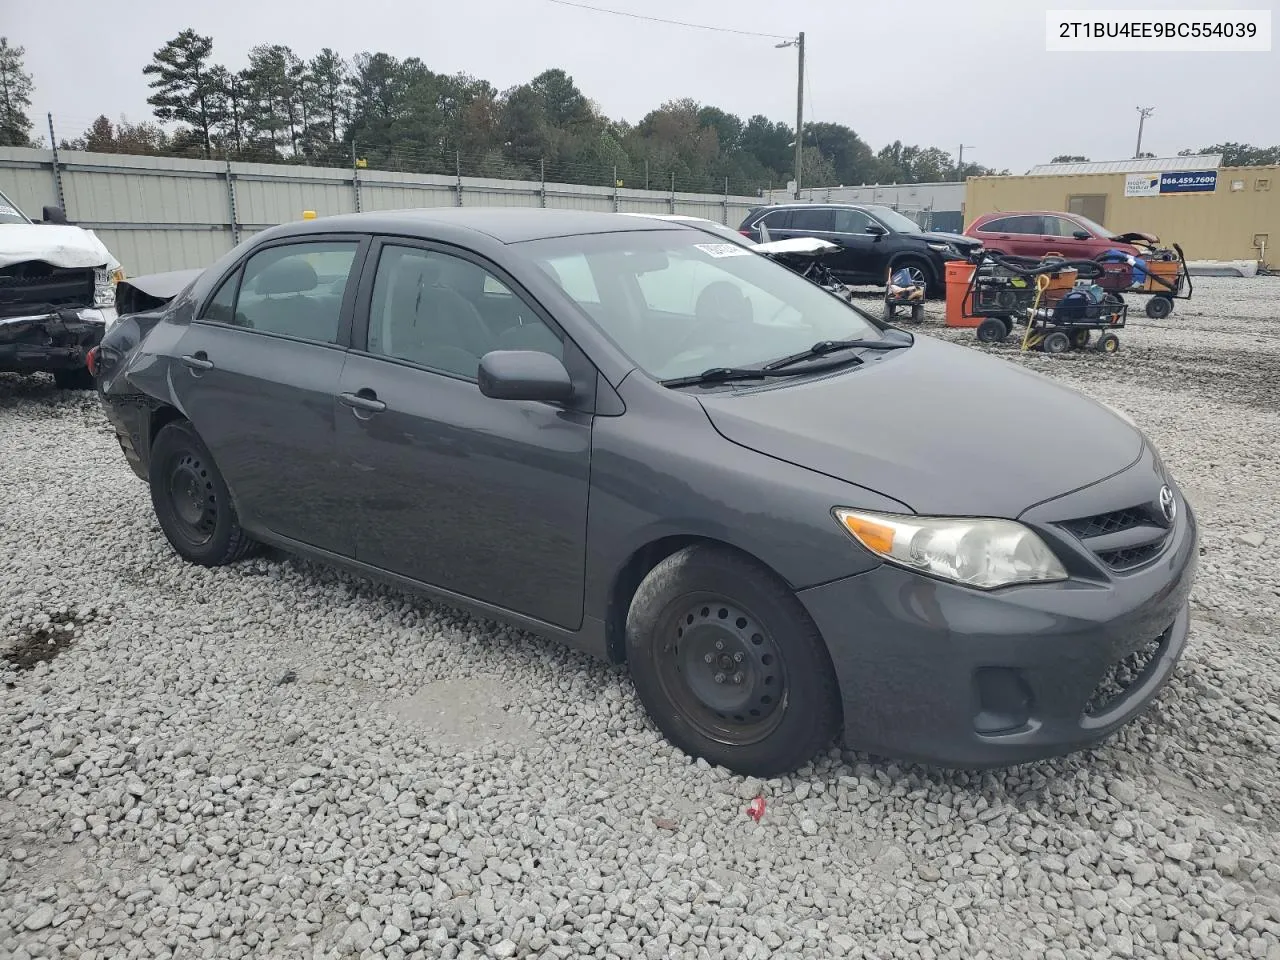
(425,784)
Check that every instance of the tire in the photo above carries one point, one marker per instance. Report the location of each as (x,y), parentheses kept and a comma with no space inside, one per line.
(191,499)
(917,313)
(1080,338)
(1159,307)
(888,312)
(764,701)
(77,378)
(992,330)
(1056,342)
(1109,343)
(933,289)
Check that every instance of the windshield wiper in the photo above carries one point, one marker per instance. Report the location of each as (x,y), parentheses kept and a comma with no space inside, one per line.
(729,374)
(823,347)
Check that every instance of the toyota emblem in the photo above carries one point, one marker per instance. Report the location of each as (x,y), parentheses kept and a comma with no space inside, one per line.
(1167,505)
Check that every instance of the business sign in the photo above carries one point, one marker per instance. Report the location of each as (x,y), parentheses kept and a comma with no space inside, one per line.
(1142,185)
(1189,181)
(1182,181)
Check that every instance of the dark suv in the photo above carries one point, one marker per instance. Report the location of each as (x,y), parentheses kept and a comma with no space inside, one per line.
(875,239)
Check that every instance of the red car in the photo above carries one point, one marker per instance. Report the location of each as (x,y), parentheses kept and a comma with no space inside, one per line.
(1035,233)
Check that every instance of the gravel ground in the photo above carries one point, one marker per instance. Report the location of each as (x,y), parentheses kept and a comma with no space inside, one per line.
(278,760)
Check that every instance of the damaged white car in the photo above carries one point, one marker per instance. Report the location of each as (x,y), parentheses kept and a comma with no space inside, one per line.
(57,295)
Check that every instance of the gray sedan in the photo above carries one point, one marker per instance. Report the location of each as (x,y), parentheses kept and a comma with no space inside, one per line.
(789,519)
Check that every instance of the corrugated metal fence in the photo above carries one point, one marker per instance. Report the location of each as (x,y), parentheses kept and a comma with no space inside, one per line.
(166,213)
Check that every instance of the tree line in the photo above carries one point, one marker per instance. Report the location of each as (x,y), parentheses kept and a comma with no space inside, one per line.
(391,113)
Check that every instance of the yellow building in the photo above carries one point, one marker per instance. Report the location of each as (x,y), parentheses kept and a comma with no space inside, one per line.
(1213,212)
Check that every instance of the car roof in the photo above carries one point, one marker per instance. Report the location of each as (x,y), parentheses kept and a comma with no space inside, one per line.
(503,224)
(1026,213)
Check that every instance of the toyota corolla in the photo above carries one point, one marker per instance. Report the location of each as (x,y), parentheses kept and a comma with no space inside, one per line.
(790,520)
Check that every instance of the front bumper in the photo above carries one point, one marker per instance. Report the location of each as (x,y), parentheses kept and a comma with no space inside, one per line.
(52,341)
(938,673)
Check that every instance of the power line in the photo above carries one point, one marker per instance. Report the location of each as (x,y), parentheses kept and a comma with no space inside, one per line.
(674,23)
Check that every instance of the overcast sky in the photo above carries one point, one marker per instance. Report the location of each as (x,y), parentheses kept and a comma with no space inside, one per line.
(933,72)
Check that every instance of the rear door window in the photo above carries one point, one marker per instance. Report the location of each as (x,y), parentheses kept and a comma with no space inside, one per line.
(818,219)
(293,290)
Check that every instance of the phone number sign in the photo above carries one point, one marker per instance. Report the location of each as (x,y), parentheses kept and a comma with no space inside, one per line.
(1182,181)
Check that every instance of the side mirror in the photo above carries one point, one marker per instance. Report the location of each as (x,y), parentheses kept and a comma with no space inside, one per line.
(1081,234)
(53,215)
(876,230)
(524,375)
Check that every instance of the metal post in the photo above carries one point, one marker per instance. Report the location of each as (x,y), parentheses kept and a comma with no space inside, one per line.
(231,205)
(799,112)
(542,177)
(615,188)
(724,206)
(355,178)
(457,160)
(673,193)
(57,170)
(646,174)
(1143,113)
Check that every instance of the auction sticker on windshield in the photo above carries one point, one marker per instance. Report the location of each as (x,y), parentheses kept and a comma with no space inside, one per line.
(723,250)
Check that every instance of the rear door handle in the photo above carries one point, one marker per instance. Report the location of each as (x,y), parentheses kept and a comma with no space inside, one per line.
(365,400)
(199,361)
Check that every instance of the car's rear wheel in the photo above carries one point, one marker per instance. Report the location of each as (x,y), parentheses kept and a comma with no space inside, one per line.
(728,664)
(76,378)
(191,499)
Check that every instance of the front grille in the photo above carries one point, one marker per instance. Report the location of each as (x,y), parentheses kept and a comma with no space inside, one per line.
(37,287)
(1130,557)
(1126,673)
(1104,523)
(1122,539)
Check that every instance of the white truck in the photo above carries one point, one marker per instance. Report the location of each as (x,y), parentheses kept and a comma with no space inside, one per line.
(57,295)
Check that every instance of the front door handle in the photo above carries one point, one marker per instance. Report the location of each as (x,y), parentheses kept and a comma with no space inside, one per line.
(199,361)
(364,400)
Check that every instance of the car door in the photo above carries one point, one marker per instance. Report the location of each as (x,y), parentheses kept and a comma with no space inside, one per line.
(1060,234)
(1021,236)
(256,373)
(776,222)
(481,497)
(863,258)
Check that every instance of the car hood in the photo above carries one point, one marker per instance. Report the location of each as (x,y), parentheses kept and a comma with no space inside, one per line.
(958,239)
(59,245)
(937,426)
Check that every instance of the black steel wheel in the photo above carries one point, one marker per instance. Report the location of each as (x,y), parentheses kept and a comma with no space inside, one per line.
(1056,342)
(992,330)
(1159,307)
(728,664)
(191,500)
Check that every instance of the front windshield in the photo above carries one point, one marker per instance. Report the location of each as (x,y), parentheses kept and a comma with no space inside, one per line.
(9,213)
(1095,228)
(677,303)
(894,220)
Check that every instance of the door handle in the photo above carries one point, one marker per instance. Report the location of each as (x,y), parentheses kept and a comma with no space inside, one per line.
(365,400)
(198,361)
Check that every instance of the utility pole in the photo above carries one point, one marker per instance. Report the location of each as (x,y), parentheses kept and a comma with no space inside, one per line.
(960,161)
(1143,113)
(798,43)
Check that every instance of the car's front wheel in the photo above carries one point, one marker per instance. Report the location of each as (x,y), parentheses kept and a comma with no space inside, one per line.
(191,499)
(728,664)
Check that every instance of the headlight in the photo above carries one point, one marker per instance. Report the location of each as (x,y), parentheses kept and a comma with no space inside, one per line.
(978,553)
(942,247)
(104,286)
